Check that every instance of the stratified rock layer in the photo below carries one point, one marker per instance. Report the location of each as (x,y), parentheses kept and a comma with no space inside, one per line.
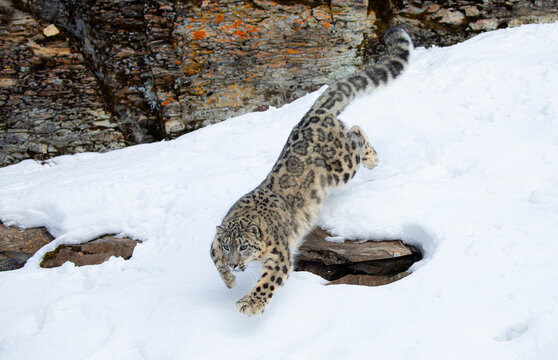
(370,263)
(262,53)
(120,72)
(50,102)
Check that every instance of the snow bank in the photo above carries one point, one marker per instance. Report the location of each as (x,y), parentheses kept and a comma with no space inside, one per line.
(468,145)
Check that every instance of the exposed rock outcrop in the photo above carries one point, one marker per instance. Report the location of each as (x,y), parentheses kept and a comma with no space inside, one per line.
(93,252)
(370,263)
(50,102)
(16,246)
(122,72)
(368,280)
(346,261)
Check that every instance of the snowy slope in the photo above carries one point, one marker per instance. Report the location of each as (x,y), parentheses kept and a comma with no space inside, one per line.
(468,145)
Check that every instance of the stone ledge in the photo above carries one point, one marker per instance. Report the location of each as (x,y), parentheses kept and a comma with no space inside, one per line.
(370,263)
(316,246)
(368,280)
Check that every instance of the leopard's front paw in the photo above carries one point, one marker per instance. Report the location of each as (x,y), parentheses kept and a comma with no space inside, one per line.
(250,305)
(229,279)
(369,157)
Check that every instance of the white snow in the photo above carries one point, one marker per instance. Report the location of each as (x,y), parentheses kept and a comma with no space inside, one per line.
(468,145)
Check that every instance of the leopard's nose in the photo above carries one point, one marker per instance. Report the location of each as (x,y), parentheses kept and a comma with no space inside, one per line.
(233,266)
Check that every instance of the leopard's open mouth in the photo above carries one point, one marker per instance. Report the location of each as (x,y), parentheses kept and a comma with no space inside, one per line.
(238,269)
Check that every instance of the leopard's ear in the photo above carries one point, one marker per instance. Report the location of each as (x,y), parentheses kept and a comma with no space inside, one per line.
(255,230)
(220,230)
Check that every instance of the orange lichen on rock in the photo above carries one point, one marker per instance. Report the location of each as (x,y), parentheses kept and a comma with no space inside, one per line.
(199,34)
(241,34)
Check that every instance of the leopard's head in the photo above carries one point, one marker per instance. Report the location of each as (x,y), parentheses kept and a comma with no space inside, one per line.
(240,244)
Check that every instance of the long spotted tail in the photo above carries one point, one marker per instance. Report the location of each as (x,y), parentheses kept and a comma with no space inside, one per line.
(343,91)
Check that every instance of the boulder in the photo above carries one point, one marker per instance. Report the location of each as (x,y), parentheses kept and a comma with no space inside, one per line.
(90,253)
(16,246)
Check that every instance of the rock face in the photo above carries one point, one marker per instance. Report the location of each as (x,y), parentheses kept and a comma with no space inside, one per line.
(16,246)
(168,67)
(263,53)
(122,72)
(50,102)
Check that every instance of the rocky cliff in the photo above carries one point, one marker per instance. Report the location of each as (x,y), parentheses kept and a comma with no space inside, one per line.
(86,75)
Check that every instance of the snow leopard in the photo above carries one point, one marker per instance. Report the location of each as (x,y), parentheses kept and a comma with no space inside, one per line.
(268,223)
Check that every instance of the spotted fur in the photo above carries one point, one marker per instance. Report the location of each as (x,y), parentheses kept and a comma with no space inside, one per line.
(268,223)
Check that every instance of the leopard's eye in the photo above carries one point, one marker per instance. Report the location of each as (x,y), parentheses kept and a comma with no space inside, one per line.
(226,248)
(243,247)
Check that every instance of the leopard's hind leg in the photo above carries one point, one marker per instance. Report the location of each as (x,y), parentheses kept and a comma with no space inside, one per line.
(351,148)
(368,157)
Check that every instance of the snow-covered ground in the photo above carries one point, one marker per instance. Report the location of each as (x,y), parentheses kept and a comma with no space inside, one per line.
(468,145)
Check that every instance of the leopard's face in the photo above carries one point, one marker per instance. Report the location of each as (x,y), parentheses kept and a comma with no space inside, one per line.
(240,245)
